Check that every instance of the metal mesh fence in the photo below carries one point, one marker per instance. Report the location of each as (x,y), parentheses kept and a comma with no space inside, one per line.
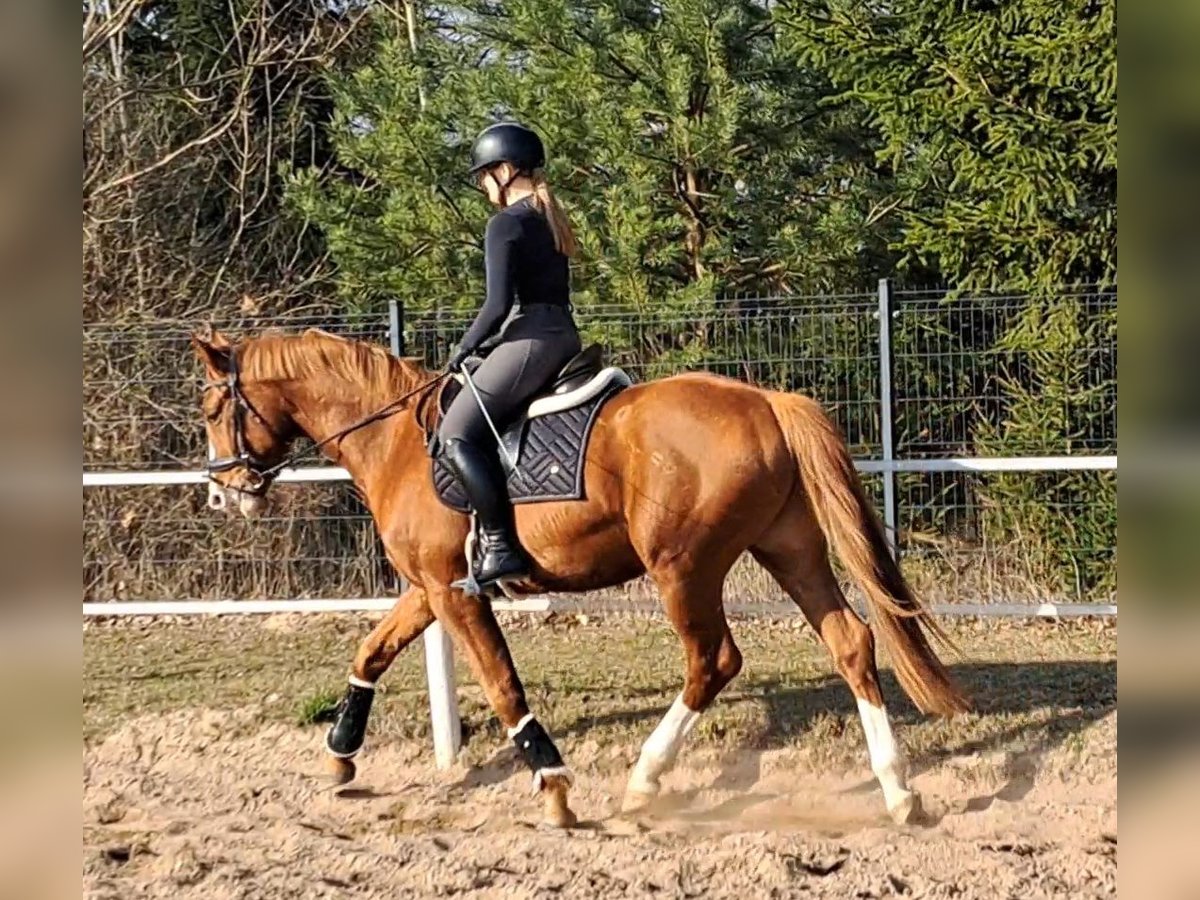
(964,365)
(142,413)
(141,386)
(823,346)
(162,543)
(994,375)
(1009,537)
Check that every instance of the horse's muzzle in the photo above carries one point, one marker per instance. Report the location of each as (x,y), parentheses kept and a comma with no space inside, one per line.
(216,497)
(250,501)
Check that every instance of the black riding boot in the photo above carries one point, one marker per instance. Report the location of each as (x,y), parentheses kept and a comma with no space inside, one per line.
(484,483)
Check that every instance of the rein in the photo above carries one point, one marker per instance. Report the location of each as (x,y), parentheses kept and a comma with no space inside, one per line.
(245,458)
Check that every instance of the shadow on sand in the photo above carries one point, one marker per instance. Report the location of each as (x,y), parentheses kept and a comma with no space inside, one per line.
(1066,696)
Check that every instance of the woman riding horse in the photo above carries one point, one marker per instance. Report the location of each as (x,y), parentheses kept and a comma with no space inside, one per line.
(684,476)
(527,247)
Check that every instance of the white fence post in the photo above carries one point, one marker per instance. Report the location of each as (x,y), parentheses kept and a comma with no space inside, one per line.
(443,699)
(439,651)
(887,422)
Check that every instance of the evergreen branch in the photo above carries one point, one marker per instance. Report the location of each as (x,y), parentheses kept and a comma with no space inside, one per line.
(879,210)
(629,71)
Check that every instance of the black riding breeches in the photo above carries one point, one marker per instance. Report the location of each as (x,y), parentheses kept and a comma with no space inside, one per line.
(523,364)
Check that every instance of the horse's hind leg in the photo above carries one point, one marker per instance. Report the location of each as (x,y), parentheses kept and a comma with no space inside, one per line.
(407,619)
(802,569)
(693,604)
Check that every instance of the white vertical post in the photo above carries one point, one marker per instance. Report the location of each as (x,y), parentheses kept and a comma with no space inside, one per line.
(443,700)
(887,422)
(439,651)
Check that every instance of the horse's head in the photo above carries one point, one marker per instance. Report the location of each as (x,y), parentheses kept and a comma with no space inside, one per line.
(249,429)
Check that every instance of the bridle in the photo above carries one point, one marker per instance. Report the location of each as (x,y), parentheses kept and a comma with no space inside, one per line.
(261,474)
(243,457)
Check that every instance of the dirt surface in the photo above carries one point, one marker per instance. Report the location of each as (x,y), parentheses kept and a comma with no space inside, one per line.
(225,800)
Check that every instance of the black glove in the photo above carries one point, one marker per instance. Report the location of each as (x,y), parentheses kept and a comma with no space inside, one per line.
(461,355)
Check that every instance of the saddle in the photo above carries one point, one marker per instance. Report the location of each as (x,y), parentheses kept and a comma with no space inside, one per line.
(549,441)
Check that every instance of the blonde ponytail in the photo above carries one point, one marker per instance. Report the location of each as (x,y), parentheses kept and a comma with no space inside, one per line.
(560,225)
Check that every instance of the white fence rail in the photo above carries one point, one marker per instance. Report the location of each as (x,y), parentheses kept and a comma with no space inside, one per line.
(554,604)
(960,464)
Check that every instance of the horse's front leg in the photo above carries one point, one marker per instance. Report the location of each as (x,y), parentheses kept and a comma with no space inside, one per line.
(407,619)
(473,627)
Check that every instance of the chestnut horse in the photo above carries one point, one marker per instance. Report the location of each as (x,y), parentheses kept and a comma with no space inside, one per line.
(683,475)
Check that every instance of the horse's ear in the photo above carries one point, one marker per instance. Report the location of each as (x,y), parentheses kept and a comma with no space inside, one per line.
(214,355)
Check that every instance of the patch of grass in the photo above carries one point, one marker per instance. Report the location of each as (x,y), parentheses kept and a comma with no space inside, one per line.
(317,707)
(601,688)
(1075,745)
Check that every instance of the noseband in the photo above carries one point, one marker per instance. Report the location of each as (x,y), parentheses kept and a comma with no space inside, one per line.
(261,474)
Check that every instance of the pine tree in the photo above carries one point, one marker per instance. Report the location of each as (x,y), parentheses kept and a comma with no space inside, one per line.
(694,160)
(998,119)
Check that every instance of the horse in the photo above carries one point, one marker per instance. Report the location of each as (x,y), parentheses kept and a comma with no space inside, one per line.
(682,476)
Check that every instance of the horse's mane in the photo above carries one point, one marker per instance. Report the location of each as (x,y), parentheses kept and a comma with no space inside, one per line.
(371,369)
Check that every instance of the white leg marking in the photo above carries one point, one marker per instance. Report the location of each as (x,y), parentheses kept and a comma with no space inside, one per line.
(516,729)
(540,776)
(886,760)
(661,748)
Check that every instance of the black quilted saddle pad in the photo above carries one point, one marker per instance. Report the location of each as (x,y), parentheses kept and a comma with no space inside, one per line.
(549,450)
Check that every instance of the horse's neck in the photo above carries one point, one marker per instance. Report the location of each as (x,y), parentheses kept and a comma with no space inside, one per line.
(325,405)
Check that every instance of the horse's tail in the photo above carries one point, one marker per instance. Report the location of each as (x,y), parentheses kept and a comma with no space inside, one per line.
(856,535)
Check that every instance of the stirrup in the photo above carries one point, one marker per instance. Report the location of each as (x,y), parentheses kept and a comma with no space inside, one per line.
(470,585)
(472,588)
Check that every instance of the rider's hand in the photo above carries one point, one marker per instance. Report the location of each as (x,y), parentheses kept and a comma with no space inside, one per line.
(456,361)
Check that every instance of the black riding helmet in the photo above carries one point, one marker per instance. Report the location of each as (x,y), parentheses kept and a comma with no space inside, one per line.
(508,142)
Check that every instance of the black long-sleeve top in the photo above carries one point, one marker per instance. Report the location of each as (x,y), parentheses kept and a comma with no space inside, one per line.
(522,265)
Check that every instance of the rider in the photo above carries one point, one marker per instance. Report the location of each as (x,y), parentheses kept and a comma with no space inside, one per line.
(526,247)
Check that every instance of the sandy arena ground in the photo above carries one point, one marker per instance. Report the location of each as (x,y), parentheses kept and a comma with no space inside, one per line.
(194,788)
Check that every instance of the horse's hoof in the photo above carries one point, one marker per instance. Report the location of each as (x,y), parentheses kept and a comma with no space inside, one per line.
(560,817)
(636,801)
(906,809)
(341,770)
(557,813)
